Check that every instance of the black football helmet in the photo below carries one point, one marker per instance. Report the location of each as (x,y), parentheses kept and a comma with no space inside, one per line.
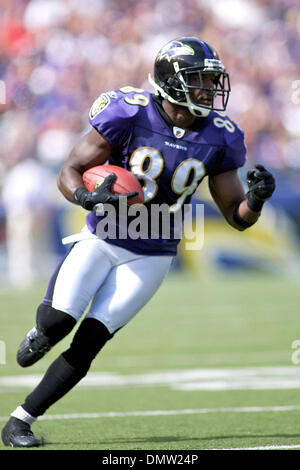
(180,67)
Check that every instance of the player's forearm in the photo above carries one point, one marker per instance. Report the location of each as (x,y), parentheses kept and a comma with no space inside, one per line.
(69,179)
(242,217)
(91,150)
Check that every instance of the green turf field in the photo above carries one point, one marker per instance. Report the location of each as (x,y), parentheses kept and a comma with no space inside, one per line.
(207,364)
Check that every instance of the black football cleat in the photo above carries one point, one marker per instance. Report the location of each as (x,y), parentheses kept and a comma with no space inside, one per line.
(17,433)
(33,347)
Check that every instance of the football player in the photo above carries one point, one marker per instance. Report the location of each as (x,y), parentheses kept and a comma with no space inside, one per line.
(171,140)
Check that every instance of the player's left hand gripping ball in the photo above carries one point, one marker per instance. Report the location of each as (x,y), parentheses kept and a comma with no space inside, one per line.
(261,184)
(101,195)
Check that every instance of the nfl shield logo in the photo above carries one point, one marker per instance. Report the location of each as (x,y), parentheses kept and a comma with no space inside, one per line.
(178,132)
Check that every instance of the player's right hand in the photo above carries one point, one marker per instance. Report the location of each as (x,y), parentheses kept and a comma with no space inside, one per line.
(101,195)
(261,183)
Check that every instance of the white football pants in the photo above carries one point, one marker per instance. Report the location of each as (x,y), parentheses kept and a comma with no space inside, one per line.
(117,281)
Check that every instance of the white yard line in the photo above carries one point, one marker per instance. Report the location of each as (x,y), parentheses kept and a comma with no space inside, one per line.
(218,379)
(123,414)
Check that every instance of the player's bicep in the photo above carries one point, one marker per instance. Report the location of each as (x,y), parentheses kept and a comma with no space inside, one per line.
(227,191)
(91,150)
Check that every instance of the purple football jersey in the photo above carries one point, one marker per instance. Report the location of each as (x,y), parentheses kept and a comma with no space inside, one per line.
(170,162)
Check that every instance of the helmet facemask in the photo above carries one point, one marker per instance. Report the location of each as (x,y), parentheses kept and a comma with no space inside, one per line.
(213,98)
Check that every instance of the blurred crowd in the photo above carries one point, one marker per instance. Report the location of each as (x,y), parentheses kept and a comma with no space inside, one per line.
(57,56)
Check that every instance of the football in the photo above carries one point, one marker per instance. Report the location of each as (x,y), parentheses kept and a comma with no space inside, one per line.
(126,181)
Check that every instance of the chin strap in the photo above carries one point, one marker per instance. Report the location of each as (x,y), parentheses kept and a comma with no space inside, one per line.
(195,110)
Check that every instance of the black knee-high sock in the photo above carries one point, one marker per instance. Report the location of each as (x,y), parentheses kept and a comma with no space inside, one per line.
(59,379)
(69,368)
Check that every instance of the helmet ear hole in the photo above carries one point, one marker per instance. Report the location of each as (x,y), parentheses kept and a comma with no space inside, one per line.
(174,82)
(174,88)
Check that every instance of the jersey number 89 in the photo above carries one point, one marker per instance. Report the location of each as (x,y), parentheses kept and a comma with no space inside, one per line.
(147,164)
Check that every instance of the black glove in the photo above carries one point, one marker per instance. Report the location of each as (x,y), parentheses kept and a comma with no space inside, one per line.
(261,185)
(102,194)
